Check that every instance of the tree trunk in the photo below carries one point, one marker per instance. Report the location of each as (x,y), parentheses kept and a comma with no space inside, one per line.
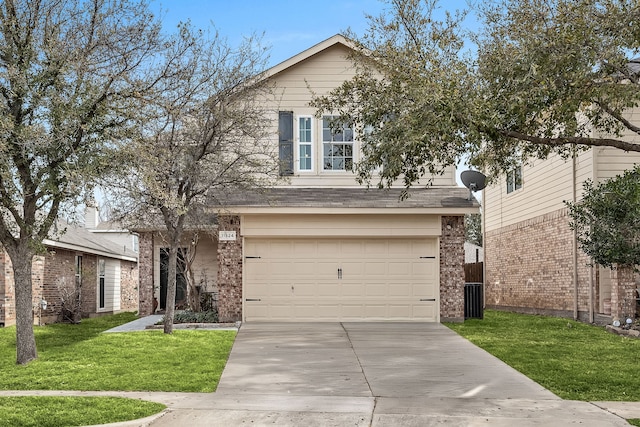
(21,260)
(171,287)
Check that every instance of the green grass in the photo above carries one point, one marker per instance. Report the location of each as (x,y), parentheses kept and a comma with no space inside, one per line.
(80,357)
(71,411)
(574,360)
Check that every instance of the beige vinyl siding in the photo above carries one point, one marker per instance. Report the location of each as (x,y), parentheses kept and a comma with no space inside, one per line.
(319,74)
(545,185)
(112,286)
(339,226)
(205,265)
(612,162)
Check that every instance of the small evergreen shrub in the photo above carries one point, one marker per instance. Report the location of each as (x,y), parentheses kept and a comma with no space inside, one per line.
(188,316)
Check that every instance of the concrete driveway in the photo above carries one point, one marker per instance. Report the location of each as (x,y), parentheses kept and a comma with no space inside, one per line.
(372,374)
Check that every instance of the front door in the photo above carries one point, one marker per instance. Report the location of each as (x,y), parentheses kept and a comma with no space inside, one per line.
(181,281)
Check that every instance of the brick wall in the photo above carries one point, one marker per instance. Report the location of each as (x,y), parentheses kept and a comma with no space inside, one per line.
(623,294)
(145,274)
(7,292)
(89,297)
(452,269)
(128,286)
(53,278)
(230,272)
(529,268)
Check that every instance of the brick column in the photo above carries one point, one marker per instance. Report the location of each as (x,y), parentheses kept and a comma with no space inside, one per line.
(145,272)
(452,269)
(623,294)
(230,272)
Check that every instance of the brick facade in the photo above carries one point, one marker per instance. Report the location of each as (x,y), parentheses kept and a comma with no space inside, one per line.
(53,278)
(129,286)
(452,269)
(230,272)
(7,293)
(529,268)
(623,294)
(146,280)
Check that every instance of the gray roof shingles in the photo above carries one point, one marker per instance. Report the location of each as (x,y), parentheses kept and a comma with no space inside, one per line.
(83,238)
(431,197)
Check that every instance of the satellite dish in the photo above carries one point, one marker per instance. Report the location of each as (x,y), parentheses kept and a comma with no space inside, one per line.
(473,180)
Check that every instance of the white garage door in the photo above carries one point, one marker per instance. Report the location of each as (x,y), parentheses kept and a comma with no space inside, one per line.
(340,279)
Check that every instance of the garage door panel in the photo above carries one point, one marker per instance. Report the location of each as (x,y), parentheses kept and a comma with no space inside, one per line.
(375,269)
(352,289)
(353,311)
(375,289)
(301,290)
(327,247)
(298,279)
(276,290)
(421,290)
(328,290)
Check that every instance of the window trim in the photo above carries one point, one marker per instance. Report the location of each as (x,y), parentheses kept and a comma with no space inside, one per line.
(299,144)
(352,142)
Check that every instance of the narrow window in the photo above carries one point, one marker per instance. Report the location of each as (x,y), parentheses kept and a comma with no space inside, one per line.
(514,179)
(337,145)
(101,282)
(78,272)
(305,144)
(285,142)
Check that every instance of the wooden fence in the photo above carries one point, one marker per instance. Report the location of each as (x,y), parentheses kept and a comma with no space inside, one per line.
(473,273)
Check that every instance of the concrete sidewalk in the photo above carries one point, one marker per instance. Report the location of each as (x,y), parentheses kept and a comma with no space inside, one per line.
(367,374)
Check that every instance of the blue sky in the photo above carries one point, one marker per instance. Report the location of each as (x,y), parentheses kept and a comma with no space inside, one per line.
(289,26)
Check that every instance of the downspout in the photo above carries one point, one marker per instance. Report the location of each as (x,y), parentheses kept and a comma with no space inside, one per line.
(591,307)
(575,239)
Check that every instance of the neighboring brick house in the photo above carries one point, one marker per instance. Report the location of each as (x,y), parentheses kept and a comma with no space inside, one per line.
(106,273)
(319,247)
(531,264)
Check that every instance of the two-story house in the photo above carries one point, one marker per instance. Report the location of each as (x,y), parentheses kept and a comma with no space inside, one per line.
(320,247)
(532,261)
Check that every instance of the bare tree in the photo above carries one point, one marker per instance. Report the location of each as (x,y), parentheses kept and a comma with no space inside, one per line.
(71,73)
(207,129)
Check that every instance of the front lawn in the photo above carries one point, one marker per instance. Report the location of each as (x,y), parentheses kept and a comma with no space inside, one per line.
(80,357)
(574,360)
(49,411)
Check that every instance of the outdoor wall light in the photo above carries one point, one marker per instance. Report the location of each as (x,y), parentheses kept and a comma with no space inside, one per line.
(43,304)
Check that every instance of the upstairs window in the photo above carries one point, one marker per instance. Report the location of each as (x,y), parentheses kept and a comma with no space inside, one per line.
(305,143)
(514,179)
(337,145)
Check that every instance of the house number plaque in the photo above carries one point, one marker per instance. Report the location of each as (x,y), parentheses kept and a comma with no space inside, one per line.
(226,236)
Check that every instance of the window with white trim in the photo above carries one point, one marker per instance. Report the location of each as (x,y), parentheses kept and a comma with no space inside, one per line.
(305,143)
(337,145)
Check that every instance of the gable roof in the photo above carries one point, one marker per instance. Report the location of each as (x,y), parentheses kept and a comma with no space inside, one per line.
(80,239)
(306,54)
